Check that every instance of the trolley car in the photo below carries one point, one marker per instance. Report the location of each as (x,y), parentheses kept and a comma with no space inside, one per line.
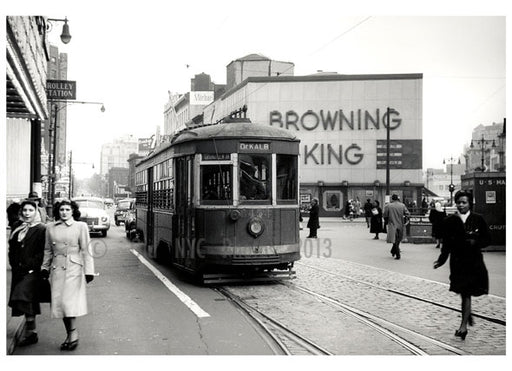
(222,199)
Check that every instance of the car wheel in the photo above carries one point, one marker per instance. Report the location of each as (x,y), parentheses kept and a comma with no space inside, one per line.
(104,233)
(117,223)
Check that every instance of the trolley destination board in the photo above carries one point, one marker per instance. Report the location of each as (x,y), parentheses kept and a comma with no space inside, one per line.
(254,147)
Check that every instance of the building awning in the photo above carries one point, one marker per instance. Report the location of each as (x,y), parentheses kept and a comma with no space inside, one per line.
(428,192)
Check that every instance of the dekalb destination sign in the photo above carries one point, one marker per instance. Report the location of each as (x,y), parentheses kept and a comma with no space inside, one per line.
(61,89)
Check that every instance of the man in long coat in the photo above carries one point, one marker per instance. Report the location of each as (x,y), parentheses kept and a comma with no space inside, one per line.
(395,213)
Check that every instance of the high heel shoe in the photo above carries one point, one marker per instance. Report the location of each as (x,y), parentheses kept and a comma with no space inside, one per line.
(461,334)
(471,322)
(69,345)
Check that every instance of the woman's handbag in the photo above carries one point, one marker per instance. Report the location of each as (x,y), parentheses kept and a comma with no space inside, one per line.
(44,291)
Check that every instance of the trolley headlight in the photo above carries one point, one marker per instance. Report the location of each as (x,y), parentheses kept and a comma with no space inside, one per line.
(255,227)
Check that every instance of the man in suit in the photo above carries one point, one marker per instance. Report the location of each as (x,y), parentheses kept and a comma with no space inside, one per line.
(395,214)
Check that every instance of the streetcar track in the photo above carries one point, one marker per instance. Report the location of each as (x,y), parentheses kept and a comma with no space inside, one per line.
(401,293)
(379,324)
(290,342)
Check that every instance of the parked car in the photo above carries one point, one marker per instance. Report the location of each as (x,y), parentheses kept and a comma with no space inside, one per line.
(108,202)
(92,210)
(123,206)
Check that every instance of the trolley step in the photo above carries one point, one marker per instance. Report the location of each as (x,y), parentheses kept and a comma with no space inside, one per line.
(221,278)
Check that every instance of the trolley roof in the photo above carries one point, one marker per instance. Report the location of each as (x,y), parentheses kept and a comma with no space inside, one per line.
(234,130)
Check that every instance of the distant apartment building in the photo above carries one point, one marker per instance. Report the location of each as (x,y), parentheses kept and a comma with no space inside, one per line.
(57,70)
(117,182)
(117,153)
(255,65)
(181,109)
(487,146)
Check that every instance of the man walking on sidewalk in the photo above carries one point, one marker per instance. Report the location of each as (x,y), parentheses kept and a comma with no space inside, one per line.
(395,214)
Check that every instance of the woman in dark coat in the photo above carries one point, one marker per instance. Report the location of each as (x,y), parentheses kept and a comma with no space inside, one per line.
(26,250)
(313,222)
(464,234)
(436,217)
(376,220)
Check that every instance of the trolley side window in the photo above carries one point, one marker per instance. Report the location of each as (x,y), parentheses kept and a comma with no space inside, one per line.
(286,177)
(141,188)
(255,177)
(216,184)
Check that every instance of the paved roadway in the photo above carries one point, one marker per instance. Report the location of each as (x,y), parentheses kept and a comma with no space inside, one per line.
(132,312)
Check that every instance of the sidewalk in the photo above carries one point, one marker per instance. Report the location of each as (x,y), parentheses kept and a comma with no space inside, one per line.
(14,325)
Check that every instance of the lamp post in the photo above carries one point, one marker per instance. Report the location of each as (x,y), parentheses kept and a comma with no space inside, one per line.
(482,143)
(451,161)
(53,143)
(389,110)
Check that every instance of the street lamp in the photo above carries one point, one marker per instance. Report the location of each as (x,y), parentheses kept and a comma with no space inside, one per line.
(53,142)
(482,143)
(65,36)
(451,187)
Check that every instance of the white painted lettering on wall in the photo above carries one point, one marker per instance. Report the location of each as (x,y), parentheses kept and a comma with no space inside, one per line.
(335,120)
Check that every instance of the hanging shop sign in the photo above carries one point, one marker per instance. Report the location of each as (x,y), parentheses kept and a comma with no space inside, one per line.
(61,89)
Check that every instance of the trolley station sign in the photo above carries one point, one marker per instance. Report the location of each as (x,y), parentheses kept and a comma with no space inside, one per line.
(61,89)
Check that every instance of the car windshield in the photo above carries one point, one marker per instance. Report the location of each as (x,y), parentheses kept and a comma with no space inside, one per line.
(123,205)
(90,204)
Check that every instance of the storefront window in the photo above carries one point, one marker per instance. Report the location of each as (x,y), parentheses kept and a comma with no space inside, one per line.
(216,183)
(286,177)
(254,177)
(333,200)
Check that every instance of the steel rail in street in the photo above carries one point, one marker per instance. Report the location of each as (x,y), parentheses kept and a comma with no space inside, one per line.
(290,342)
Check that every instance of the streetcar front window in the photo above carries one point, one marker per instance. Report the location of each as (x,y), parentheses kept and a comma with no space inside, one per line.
(255,177)
(216,183)
(286,177)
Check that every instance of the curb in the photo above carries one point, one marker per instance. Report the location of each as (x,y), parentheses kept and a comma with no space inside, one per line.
(15,328)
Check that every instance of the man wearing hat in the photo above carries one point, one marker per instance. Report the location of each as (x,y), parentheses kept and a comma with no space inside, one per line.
(395,214)
(34,196)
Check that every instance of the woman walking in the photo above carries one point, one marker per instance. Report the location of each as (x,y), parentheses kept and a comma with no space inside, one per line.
(26,248)
(313,222)
(464,234)
(376,220)
(436,217)
(67,254)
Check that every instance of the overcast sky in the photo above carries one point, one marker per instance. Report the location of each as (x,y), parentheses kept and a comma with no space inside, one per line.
(129,57)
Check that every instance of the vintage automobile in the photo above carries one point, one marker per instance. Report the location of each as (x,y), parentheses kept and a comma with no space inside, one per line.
(108,202)
(92,210)
(123,206)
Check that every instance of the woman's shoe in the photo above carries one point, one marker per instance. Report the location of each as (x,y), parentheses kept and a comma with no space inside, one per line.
(69,345)
(471,322)
(29,340)
(461,334)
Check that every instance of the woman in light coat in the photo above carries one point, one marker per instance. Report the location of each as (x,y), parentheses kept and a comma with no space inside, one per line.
(70,265)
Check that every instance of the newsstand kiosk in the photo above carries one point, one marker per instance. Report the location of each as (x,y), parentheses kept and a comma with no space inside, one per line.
(489,200)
